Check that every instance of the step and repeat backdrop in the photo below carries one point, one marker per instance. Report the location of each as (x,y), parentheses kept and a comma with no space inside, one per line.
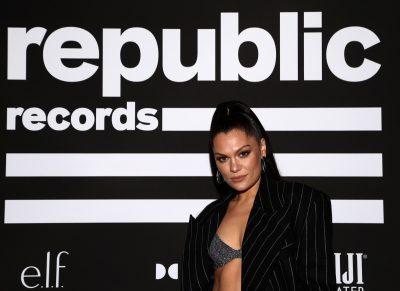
(105,110)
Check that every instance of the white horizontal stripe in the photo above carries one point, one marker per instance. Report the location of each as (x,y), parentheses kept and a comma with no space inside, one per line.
(186,119)
(282,119)
(357,211)
(92,165)
(154,211)
(182,165)
(330,165)
(102,211)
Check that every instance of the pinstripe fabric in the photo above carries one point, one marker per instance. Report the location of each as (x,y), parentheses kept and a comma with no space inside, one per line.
(287,243)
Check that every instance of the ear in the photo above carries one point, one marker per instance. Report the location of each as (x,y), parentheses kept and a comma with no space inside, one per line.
(263,148)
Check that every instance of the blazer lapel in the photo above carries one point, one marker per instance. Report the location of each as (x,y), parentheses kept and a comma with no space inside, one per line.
(267,233)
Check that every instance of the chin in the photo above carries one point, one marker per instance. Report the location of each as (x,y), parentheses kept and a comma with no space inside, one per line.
(240,187)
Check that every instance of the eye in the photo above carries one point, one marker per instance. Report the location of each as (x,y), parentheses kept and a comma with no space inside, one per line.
(221,159)
(244,153)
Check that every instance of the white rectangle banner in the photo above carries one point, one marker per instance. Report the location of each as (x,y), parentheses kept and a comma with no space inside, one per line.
(183,165)
(283,119)
(357,211)
(154,211)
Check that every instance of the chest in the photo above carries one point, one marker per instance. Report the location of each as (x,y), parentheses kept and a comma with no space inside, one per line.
(232,225)
(265,238)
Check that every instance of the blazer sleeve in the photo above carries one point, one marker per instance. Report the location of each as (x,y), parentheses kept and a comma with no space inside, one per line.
(315,257)
(194,273)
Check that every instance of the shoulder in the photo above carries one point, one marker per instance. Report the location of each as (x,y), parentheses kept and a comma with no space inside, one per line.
(308,203)
(300,194)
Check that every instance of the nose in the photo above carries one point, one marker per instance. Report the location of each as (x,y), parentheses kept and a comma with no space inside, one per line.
(234,166)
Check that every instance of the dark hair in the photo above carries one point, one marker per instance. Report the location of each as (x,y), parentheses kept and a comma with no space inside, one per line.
(237,115)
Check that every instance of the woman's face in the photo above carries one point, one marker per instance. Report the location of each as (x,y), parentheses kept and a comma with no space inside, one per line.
(238,158)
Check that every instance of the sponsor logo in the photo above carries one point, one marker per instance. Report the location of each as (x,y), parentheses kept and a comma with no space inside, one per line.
(83,119)
(349,271)
(32,277)
(86,52)
(161,271)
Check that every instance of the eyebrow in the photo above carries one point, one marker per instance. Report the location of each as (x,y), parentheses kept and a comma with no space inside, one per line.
(247,145)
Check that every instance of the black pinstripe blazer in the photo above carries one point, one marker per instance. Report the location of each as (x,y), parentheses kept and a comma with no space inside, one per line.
(287,244)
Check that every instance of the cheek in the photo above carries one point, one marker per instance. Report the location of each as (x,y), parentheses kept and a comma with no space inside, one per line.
(254,166)
(223,168)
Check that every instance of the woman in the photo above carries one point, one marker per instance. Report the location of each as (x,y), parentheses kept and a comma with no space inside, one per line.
(263,233)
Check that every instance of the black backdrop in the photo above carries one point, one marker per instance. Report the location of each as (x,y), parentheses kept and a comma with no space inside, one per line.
(101,255)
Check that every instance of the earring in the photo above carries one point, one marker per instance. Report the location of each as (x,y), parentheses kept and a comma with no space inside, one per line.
(219,178)
(264,166)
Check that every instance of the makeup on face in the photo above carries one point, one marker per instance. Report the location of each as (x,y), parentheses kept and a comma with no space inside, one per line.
(238,158)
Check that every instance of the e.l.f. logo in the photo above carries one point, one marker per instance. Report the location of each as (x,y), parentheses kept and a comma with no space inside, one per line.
(34,272)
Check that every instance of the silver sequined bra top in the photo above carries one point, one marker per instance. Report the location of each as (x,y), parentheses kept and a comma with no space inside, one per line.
(221,253)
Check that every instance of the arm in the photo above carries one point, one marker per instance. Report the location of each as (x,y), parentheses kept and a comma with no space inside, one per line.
(315,258)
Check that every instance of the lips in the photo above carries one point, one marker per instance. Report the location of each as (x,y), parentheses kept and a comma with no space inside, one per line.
(238,178)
